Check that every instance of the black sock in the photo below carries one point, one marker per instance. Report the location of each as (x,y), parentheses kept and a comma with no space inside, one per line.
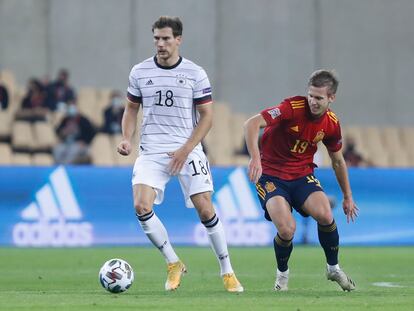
(329,239)
(283,249)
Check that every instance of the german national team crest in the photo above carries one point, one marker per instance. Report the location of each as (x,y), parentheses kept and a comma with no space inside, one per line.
(270,187)
(319,136)
(181,79)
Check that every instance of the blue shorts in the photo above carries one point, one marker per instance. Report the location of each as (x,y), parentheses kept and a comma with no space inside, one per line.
(294,191)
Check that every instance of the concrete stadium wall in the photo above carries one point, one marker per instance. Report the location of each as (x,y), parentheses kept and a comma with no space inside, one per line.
(255,52)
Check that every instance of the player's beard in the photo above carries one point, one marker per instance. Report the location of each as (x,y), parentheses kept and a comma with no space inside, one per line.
(163,55)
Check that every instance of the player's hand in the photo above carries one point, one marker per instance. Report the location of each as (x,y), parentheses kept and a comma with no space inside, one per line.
(124,147)
(350,209)
(178,159)
(254,170)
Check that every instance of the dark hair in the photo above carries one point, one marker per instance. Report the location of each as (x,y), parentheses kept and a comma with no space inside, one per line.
(63,72)
(322,78)
(172,22)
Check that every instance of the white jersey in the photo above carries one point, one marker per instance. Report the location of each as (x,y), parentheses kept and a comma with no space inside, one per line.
(168,96)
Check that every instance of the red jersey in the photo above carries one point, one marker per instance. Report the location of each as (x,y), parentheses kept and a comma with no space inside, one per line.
(290,138)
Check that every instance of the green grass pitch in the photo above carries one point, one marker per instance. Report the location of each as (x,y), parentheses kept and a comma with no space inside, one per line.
(67,279)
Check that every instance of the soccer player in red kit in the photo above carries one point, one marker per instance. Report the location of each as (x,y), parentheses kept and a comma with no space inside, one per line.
(283,171)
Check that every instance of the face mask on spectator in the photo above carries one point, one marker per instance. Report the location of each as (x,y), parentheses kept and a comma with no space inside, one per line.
(117,102)
(72,110)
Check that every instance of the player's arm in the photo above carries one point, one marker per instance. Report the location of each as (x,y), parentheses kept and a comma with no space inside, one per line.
(251,132)
(200,131)
(341,173)
(129,124)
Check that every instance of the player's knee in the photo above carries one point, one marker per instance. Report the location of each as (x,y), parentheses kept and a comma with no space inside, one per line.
(325,217)
(205,212)
(287,231)
(142,207)
(202,203)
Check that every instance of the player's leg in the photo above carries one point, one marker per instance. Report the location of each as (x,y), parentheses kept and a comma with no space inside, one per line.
(149,180)
(144,197)
(216,235)
(214,228)
(317,205)
(280,213)
(197,185)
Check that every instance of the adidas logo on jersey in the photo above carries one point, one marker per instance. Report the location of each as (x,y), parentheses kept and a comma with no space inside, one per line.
(54,217)
(240,213)
(149,82)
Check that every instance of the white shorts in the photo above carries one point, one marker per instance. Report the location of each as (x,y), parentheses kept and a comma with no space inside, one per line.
(195,176)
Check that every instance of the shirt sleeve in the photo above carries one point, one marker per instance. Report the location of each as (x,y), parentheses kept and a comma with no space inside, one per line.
(202,89)
(276,114)
(334,142)
(133,91)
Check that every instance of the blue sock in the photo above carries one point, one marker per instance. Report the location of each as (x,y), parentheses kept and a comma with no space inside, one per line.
(283,249)
(329,239)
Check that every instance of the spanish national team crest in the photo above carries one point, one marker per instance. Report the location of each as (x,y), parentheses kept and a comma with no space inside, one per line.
(270,187)
(181,79)
(319,136)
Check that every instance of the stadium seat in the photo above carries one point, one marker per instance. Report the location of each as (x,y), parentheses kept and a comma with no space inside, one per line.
(241,160)
(9,80)
(16,100)
(42,159)
(103,98)
(392,138)
(89,106)
(399,158)
(381,159)
(5,126)
(100,151)
(22,136)
(45,136)
(5,154)
(237,131)
(373,139)
(407,139)
(356,133)
(21,159)
(218,142)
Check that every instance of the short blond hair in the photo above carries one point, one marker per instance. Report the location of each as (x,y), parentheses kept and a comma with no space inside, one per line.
(322,78)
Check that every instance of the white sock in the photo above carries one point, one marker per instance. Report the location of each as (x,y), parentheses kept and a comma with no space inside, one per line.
(284,273)
(218,242)
(156,232)
(333,268)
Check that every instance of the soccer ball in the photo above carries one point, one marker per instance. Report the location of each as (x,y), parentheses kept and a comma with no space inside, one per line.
(116,275)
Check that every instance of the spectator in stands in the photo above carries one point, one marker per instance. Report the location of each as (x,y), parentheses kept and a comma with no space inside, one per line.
(76,133)
(351,156)
(113,114)
(4,97)
(60,93)
(33,107)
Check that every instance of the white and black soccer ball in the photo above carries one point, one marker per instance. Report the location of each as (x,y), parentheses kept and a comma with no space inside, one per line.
(116,275)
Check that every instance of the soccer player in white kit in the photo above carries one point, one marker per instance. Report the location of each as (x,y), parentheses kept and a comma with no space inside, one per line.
(175,95)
